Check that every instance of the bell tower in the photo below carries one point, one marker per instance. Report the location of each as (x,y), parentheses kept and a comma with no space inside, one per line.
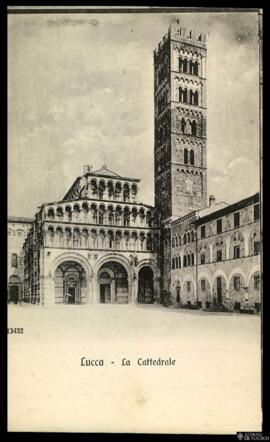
(180,123)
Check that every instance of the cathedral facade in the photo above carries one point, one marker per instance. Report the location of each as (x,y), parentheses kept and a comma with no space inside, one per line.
(100,244)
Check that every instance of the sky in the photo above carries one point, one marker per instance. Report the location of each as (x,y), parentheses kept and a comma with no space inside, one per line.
(81,91)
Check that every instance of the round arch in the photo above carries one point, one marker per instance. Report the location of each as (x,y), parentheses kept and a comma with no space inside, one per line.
(254,269)
(67,256)
(207,277)
(220,272)
(113,257)
(239,271)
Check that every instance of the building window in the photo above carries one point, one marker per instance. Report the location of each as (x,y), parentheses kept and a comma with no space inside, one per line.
(236,252)
(191,154)
(185,261)
(219,226)
(188,286)
(14,260)
(219,255)
(203,285)
(236,220)
(176,262)
(203,232)
(192,259)
(185,156)
(179,262)
(256,282)
(188,260)
(256,212)
(236,283)
(173,264)
(185,238)
(203,258)
(256,247)
(173,242)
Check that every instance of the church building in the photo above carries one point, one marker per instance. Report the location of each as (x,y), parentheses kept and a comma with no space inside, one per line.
(100,244)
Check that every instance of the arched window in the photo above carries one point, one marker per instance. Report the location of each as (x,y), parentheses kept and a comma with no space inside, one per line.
(191,67)
(185,261)
(192,259)
(192,236)
(173,242)
(176,241)
(188,237)
(193,128)
(185,65)
(180,64)
(176,262)
(14,260)
(196,68)
(173,264)
(188,260)
(183,125)
(185,238)
(191,153)
(191,97)
(196,98)
(179,262)
(185,156)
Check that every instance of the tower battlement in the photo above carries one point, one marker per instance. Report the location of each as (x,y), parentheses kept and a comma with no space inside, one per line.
(185,35)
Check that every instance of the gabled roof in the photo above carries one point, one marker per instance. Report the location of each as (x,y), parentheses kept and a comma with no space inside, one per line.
(107,173)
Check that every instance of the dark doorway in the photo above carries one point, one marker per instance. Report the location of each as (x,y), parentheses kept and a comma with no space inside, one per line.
(219,290)
(105,293)
(71,295)
(146,286)
(14,293)
(177,294)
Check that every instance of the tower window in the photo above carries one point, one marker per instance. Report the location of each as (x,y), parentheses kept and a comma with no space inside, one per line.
(173,264)
(185,65)
(193,128)
(196,98)
(195,68)
(188,286)
(203,258)
(203,232)
(185,261)
(183,125)
(256,212)
(185,156)
(191,157)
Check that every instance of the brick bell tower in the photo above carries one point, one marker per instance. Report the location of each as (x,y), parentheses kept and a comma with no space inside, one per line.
(180,123)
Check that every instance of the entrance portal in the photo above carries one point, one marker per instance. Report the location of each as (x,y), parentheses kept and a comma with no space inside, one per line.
(146,285)
(113,283)
(70,283)
(14,289)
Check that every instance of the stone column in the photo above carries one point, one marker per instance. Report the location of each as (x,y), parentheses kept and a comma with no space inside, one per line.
(113,292)
(157,290)
(133,289)
(94,291)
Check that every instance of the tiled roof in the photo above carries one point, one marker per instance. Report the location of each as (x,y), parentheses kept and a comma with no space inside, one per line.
(19,219)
